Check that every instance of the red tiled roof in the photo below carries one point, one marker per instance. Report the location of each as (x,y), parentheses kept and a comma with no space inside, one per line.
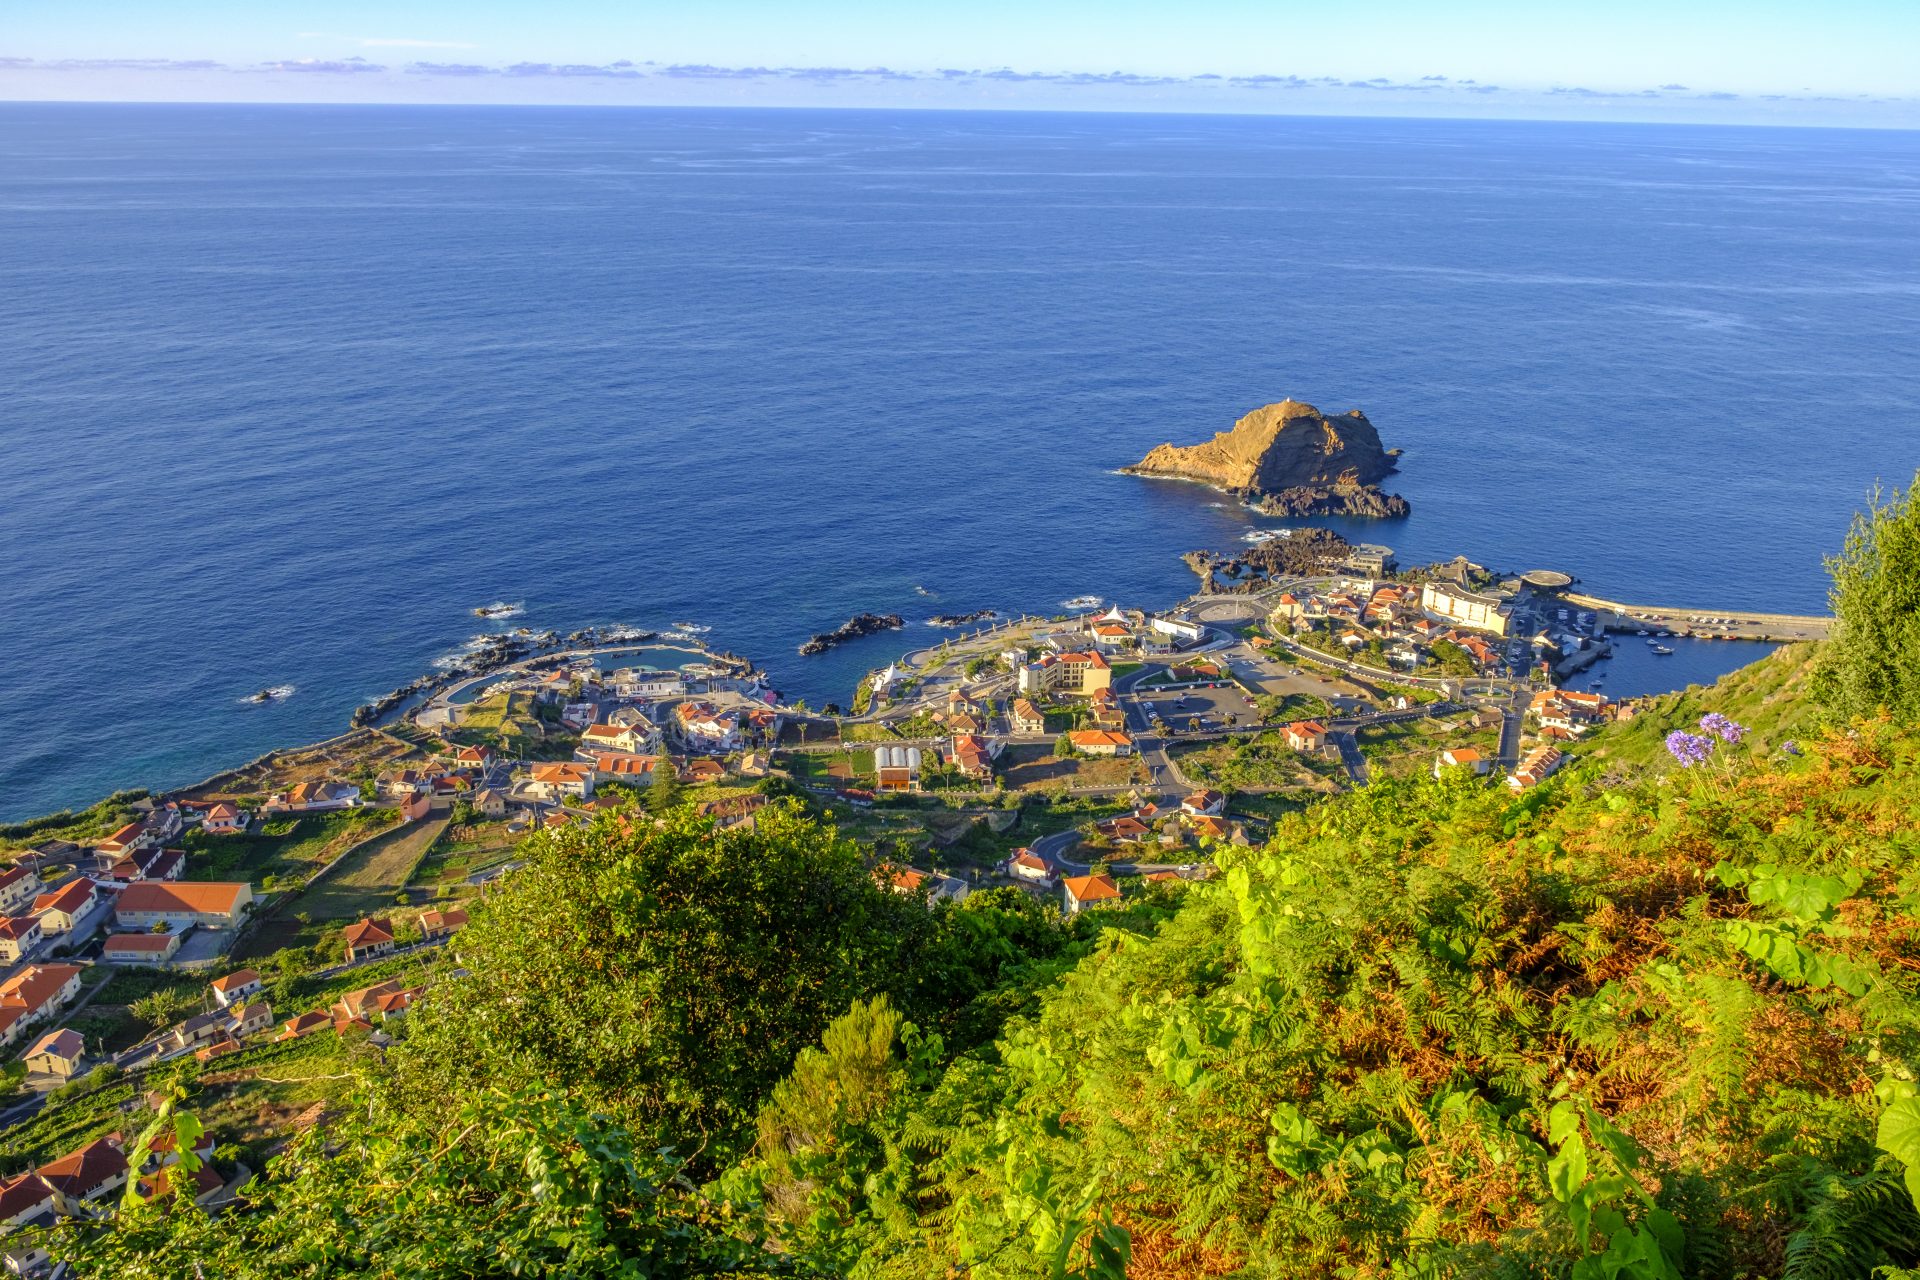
(79,1172)
(15,928)
(367,932)
(204,897)
(238,978)
(1091,888)
(69,897)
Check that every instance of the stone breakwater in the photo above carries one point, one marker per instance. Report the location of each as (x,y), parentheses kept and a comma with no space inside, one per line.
(860,624)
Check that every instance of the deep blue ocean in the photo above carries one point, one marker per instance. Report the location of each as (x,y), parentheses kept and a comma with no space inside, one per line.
(285,392)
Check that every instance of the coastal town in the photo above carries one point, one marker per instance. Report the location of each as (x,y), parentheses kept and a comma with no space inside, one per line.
(301,904)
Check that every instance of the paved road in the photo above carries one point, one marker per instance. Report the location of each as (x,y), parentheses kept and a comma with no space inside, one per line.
(1054,849)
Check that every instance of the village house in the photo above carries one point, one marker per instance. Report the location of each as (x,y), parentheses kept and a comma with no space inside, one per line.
(565,778)
(733,811)
(304,1025)
(1204,804)
(699,771)
(235,987)
(1107,713)
(490,803)
(140,948)
(1307,736)
(910,883)
(368,938)
(897,768)
(1081,892)
(972,756)
(1460,758)
(703,727)
(26,1201)
(1029,866)
(147,864)
(1539,765)
(61,909)
(19,886)
(57,1053)
(224,819)
(1203,826)
(435,923)
(402,784)
(33,995)
(18,936)
(212,904)
(416,808)
(613,766)
(1125,829)
(87,1174)
(381,1000)
(631,739)
(1101,742)
(315,797)
(961,722)
(479,759)
(1026,718)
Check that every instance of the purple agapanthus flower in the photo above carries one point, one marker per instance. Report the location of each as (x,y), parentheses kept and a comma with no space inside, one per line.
(1689,749)
(1791,747)
(1721,727)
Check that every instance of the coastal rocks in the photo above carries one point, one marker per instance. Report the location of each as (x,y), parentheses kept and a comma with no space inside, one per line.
(861,624)
(1292,455)
(1307,553)
(1365,502)
(961,619)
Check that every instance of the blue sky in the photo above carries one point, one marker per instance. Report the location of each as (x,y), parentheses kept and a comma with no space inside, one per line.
(1841,61)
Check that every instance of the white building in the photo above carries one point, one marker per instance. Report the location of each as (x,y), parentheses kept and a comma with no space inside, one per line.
(1464,608)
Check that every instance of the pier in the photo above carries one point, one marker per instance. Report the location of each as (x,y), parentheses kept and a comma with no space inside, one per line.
(1725,624)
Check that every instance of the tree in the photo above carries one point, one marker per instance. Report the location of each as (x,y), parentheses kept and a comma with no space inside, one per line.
(1871,661)
(161,1008)
(665,972)
(666,790)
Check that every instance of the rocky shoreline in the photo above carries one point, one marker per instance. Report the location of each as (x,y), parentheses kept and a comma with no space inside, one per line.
(1364,502)
(961,619)
(1306,553)
(860,624)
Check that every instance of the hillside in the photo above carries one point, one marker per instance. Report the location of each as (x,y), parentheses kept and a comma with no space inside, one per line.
(1657,1018)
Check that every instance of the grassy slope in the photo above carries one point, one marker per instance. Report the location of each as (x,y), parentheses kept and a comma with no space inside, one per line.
(1420,970)
(1767,696)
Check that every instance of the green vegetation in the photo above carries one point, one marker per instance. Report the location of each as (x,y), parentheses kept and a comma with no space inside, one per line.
(100,820)
(287,848)
(1872,661)
(1453,660)
(1258,762)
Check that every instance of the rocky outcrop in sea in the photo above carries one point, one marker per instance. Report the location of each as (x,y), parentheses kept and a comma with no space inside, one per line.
(861,624)
(1292,456)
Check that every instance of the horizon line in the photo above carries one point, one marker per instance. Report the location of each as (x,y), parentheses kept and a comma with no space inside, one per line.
(979,109)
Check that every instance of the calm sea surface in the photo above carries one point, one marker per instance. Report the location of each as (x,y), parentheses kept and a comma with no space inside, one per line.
(286,392)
